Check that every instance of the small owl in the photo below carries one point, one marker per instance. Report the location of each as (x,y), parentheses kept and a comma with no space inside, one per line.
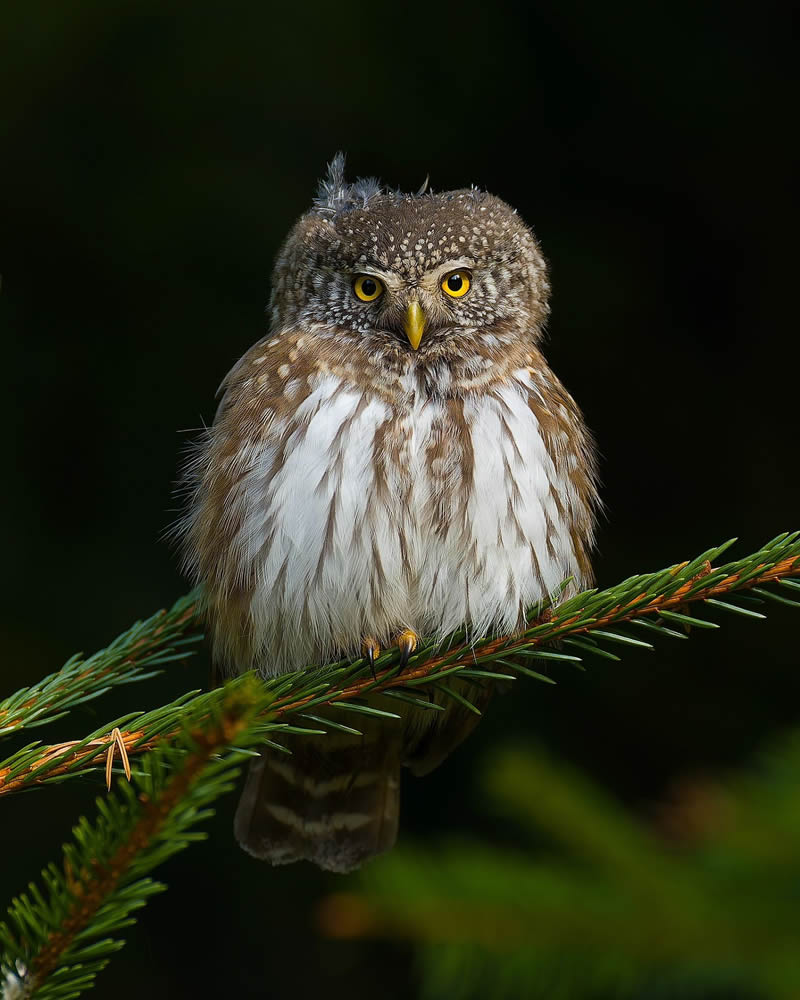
(394,459)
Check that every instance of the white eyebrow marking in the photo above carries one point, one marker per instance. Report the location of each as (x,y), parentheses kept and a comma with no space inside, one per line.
(454,264)
(395,282)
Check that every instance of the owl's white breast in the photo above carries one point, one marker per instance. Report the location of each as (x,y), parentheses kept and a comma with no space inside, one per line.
(376,519)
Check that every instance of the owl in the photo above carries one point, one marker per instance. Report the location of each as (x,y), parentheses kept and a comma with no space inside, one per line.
(393,459)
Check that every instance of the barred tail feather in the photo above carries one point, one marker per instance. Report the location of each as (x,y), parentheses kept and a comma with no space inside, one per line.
(335,804)
(335,801)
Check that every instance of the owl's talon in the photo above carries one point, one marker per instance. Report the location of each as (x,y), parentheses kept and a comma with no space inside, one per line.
(370,650)
(407,641)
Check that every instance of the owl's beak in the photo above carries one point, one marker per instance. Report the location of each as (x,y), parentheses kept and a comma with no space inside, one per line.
(414,323)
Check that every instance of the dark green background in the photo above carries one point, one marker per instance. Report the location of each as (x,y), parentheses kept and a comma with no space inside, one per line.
(153,156)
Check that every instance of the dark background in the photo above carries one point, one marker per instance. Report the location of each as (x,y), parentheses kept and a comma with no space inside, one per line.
(152,157)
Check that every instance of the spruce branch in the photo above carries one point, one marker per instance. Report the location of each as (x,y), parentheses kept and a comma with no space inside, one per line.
(34,764)
(131,657)
(642,606)
(59,935)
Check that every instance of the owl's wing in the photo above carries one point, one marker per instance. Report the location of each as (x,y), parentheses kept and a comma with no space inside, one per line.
(574,454)
(253,422)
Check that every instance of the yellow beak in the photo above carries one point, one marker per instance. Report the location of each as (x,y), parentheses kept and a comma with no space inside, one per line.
(414,323)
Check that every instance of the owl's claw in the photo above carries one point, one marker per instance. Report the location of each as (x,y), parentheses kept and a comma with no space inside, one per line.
(370,650)
(407,641)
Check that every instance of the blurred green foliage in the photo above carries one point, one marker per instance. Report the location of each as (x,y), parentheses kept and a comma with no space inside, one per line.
(702,897)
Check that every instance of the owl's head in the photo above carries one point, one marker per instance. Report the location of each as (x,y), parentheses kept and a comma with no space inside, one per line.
(417,271)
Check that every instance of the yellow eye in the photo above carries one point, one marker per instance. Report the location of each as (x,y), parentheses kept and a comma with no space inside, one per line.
(367,288)
(457,283)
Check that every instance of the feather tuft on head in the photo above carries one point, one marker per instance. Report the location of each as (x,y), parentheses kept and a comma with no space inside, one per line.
(335,195)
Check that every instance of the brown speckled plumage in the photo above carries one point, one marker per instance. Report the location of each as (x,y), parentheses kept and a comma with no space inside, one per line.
(352,486)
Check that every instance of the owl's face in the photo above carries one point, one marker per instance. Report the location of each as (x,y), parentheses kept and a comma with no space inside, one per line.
(410,272)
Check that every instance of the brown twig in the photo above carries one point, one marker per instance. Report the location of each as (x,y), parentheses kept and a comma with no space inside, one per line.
(117,743)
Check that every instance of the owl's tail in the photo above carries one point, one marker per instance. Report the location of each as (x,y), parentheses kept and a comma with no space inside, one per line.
(335,801)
